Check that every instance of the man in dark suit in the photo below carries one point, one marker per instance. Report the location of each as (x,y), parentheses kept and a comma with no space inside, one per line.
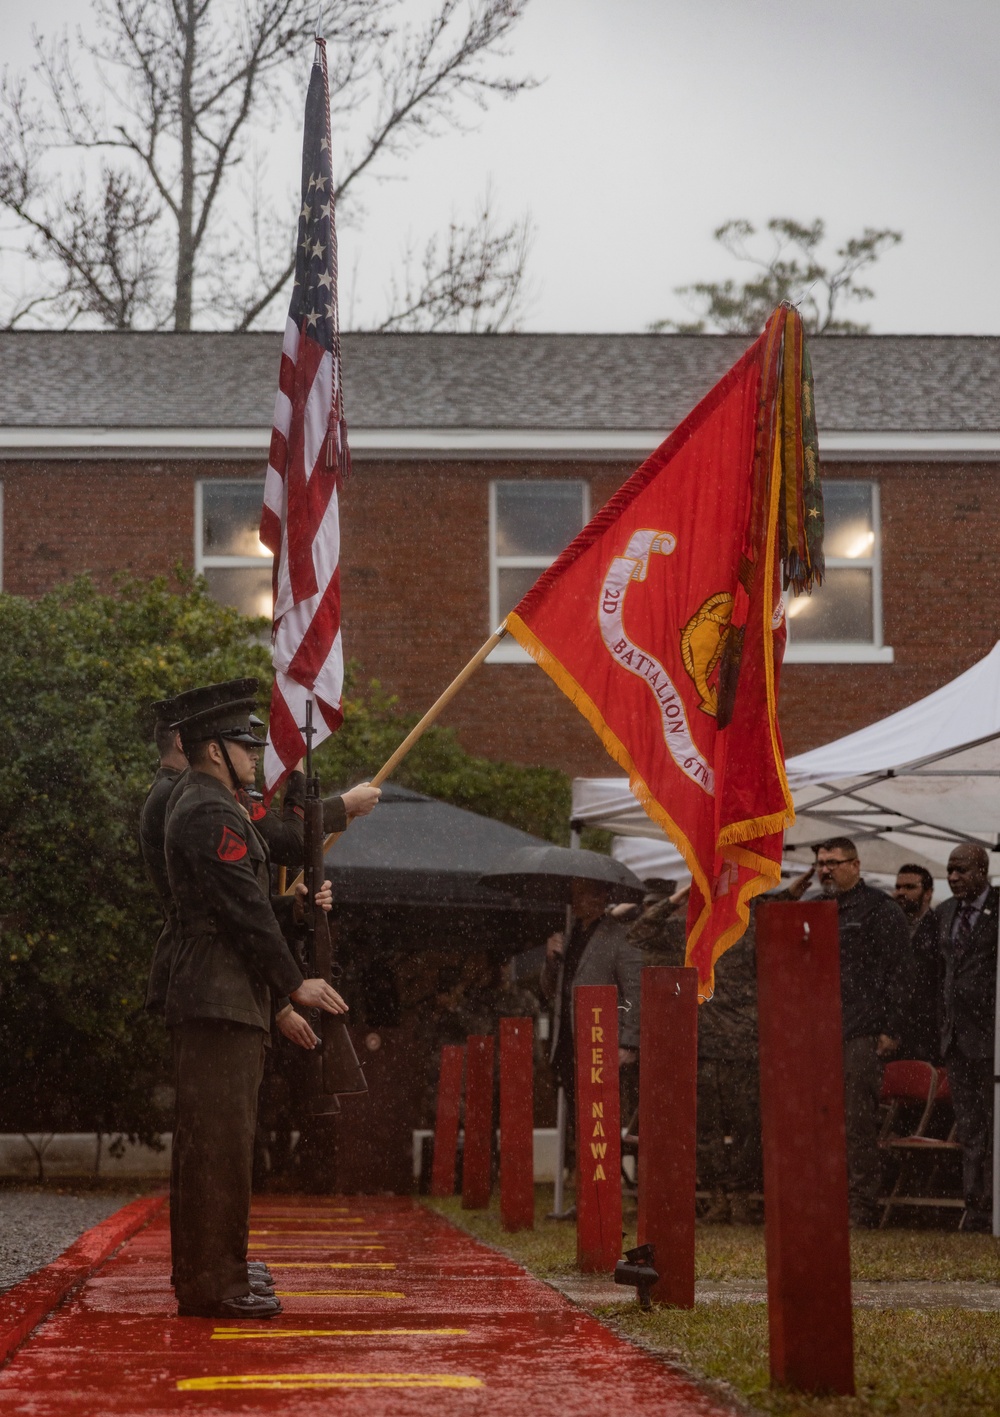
(967,935)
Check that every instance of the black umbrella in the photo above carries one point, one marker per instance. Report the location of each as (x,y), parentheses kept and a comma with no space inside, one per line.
(547,873)
(415,851)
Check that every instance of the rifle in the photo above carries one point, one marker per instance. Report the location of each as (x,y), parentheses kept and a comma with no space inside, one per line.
(334,1066)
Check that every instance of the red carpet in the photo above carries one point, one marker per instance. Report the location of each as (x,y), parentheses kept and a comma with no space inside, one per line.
(388,1310)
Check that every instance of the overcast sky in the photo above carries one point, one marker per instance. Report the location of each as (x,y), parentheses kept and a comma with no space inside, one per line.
(657,120)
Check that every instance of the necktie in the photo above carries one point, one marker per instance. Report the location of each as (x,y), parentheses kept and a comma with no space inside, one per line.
(963,930)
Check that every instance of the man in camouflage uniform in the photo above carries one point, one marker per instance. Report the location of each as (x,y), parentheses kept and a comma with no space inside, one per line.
(599,951)
(729,1086)
(728,1069)
(230,962)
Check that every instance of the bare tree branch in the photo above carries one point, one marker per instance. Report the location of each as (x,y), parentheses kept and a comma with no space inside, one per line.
(474,281)
(184,84)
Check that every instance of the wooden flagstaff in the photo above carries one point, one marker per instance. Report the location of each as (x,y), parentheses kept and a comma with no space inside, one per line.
(440,703)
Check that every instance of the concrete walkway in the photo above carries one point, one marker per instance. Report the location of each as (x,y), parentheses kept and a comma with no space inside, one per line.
(388,1310)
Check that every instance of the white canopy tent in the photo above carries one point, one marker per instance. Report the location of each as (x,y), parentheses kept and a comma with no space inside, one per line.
(906,789)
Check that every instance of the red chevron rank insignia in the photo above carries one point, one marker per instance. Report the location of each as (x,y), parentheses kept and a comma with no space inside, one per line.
(231,846)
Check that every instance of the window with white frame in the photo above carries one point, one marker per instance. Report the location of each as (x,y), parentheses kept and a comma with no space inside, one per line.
(228,551)
(531,521)
(841,621)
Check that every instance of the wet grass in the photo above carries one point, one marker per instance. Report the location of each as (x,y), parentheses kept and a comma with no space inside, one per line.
(727,1252)
(737,1252)
(548,1251)
(908,1362)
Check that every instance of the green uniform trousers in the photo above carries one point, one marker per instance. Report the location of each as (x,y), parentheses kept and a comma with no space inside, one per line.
(862,1086)
(217,1072)
(729,1148)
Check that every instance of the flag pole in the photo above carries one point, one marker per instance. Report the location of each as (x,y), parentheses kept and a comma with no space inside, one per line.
(439,704)
(390,766)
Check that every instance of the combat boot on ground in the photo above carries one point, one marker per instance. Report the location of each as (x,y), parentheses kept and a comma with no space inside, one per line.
(742,1210)
(718,1210)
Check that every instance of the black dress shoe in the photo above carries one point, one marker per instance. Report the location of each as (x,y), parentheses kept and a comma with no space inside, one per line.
(260,1286)
(244,1306)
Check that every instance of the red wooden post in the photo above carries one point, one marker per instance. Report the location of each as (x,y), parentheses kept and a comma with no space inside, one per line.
(805,1148)
(668,1073)
(517,1139)
(478,1123)
(449,1106)
(598,1129)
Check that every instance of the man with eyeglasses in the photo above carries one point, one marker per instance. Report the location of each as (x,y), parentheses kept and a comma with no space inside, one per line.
(874,969)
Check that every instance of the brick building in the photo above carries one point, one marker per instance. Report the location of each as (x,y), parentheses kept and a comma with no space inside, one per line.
(476,459)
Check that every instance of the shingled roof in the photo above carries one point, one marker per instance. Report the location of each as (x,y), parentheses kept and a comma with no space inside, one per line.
(876,383)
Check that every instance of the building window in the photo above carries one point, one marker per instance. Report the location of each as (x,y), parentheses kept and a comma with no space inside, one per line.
(228,551)
(842,620)
(530,523)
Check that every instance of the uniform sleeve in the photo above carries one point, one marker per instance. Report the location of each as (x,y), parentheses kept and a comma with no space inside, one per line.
(629,961)
(283,831)
(548,981)
(334,815)
(216,847)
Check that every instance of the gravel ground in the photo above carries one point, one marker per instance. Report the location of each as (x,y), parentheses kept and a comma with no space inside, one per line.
(37,1225)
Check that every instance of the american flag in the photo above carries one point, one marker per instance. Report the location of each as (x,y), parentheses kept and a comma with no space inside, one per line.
(309,457)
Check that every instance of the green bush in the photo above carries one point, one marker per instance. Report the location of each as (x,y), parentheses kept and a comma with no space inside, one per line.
(77,919)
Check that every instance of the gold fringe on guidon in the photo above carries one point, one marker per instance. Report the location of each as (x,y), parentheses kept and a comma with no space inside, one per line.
(579,697)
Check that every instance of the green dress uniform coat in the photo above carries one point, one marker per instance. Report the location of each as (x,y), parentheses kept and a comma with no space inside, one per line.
(229,952)
(282,833)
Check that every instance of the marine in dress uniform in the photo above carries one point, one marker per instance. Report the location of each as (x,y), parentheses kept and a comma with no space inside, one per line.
(282,831)
(229,960)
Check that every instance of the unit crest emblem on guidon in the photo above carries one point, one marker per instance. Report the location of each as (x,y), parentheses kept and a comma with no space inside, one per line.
(633,565)
(703,639)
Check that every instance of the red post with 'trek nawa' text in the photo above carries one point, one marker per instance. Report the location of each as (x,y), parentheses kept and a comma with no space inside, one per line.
(598,1129)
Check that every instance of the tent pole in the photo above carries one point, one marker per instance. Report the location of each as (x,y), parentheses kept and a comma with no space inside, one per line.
(557,1201)
(996,1108)
(558,1211)
(441,702)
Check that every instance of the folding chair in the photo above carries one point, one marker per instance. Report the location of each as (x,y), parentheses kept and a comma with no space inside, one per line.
(907,1084)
